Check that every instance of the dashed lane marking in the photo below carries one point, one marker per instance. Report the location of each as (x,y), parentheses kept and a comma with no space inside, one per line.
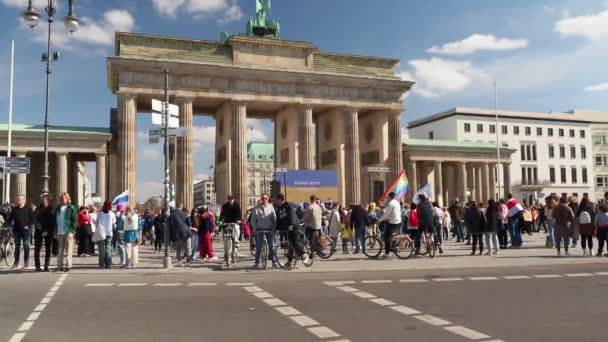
(201,284)
(274,302)
(448,279)
(382,301)
(404,310)
(304,320)
(572,275)
(515,277)
(546,276)
(413,280)
(262,295)
(339,283)
(288,310)
(364,295)
(252,289)
(483,278)
(99,285)
(601,273)
(347,289)
(132,284)
(376,281)
(323,332)
(430,319)
(239,284)
(466,332)
(168,284)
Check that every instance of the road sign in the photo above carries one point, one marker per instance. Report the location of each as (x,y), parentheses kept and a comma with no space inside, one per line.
(18,165)
(157,106)
(157,119)
(155,134)
(1,162)
(379,169)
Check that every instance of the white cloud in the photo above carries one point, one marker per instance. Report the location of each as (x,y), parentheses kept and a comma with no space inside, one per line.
(591,27)
(146,190)
(436,77)
(228,10)
(601,87)
(203,135)
(479,42)
(151,153)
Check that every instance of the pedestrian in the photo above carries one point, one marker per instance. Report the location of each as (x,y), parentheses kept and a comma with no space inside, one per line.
(334,227)
(550,241)
(438,217)
(586,220)
(515,217)
(21,218)
(493,223)
(313,217)
(264,225)
(194,228)
(446,224)
(205,229)
(392,219)
(287,220)
(67,217)
(601,225)
(475,222)
(119,234)
(564,228)
(232,213)
(180,233)
(131,238)
(573,204)
(358,223)
(456,213)
(426,218)
(45,229)
(105,226)
(372,216)
(159,222)
(84,233)
(412,227)
(93,218)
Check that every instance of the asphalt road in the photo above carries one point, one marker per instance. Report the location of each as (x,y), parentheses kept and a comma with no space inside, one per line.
(542,303)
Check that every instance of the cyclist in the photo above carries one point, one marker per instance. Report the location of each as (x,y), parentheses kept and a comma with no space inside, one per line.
(392,214)
(313,218)
(21,218)
(287,221)
(264,224)
(426,215)
(231,213)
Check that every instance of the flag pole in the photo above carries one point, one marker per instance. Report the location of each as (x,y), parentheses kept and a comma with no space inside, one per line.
(498,165)
(7,176)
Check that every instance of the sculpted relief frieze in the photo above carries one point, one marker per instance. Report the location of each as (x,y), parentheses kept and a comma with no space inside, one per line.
(258,87)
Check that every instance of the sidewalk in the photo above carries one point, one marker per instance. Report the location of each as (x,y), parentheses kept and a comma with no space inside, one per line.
(456,256)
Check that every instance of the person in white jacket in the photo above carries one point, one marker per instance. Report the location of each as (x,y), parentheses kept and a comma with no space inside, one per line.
(334,226)
(105,223)
(392,217)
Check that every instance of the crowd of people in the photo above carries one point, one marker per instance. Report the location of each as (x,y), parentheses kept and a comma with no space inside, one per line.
(118,230)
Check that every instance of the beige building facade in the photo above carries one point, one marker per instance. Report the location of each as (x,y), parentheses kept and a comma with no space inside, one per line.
(331,111)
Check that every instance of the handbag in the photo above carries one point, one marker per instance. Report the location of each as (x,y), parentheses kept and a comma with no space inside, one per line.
(99,234)
(345,233)
(89,229)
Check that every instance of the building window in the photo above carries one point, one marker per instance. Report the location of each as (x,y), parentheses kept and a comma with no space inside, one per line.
(550,132)
(551,151)
(535,175)
(601,160)
(562,151)
(479,128)
(573,152)
(431,135)
(524,179)
(582,133)
(492,129)
(563,175)
(574,175)
(583,152)
(601,181)
(572,133)
(539,131)
(584,175)
(561,132)
(516,130)
(528,130)
(552,174)
(534,152)
(523,152)
(599,140)
(504,129)
(528,153)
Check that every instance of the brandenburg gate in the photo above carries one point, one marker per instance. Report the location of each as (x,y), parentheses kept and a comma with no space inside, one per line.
(331,111)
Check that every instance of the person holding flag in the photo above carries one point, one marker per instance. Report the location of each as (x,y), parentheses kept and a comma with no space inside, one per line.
(392,214)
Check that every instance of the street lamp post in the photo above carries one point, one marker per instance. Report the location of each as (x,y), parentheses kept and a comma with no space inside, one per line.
(72,23)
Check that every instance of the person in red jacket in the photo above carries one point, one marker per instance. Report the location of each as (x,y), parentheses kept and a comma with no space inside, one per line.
(206,227)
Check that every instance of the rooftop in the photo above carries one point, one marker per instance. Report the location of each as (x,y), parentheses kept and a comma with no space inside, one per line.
(448,143)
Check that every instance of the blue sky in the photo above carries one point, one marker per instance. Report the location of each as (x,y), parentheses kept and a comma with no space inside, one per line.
(544,55)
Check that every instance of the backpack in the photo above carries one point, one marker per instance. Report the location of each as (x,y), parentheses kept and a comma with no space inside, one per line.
(585,218)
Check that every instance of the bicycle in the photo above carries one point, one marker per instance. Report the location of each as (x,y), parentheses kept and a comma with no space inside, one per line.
(252,245)
(230,235)
(430,244)
(7,247)
(264,252)
(322,245)
(284,248)
(401,244)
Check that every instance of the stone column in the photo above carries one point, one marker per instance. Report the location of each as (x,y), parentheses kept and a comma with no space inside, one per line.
(184,187)
(493,181)
(127,132)
(100,175)
(18,182)
(62,173)
(478,184)
(461,170)
(507,178)
(395,155)
(485,183)
(352,156)
(413,177)
(306,139)
(471,181)
(438,187)
(240,182)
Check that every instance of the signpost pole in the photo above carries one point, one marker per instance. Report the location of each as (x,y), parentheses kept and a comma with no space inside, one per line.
(167,260)
(7,176)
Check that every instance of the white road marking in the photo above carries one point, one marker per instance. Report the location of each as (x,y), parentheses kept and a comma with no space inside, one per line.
(483,278)
(339,283)
(54,288)
(432,320)
(516,277)
(323,332)
(45,300)
(448,279)
(347,289)
(466,332)
(132,284)
(404,310)
(262,295)
(601,273)
(339,341)
(239,284)
(382,301)
(17,337)
(288,310)
(572,275)
(304,320)
(167,284)
(201,284)
(50,294)
(546,276)
(40,307)
(99,285)
(252,289)
(274,302)
(363,295)
(377,281)
(25,326)
(33,316)
(413,280)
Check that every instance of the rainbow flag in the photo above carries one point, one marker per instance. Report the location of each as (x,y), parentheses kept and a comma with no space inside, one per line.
(399,186)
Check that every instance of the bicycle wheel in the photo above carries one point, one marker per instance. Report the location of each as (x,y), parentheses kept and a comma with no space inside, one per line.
(252,245)
(9,253)
(325,247)
(404,248)
(430,247)
(372,246)
(227,251)
(264,254)
(235,254)
(281,251)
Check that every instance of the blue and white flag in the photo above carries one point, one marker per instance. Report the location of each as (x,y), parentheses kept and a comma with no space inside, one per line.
(122,198)
(427,190)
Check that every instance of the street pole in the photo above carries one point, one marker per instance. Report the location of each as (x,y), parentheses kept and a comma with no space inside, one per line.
(7,176)
(45,174)
(167,261)
(498,165)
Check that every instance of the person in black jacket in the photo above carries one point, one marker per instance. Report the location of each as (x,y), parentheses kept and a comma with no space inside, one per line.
(359,221)
(475,221)
(493,223)
(159,231)
(181,235)
(289,223)
(426,214)
(45,229)
(22,218)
